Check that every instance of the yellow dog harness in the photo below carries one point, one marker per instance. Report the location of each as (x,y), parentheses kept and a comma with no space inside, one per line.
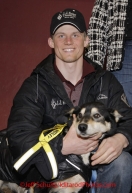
(43,142)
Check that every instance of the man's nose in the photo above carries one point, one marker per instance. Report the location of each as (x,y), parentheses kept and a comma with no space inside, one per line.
(68,40)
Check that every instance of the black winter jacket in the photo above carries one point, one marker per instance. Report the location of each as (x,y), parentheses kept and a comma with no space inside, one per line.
(41,103)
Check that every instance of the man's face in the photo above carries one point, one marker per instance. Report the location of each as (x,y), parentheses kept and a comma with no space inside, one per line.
(68,43)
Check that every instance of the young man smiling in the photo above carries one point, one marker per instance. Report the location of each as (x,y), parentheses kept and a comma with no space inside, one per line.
(63,80)
(69,44)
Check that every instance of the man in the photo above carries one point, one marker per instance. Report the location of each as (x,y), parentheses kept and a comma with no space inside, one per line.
(63,80)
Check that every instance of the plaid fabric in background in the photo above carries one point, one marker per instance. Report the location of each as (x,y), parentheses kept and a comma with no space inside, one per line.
(106,32)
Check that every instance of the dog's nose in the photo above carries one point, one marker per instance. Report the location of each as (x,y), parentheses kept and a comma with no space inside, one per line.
(82,127)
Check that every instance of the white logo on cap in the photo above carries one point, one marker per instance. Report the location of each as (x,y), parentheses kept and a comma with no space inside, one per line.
(59,17)
(69,15)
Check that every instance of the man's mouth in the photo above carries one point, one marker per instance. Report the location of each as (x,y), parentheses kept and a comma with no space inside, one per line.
(68,49)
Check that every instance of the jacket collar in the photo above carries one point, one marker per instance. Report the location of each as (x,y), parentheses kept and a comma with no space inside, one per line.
(47,65)
(46,70)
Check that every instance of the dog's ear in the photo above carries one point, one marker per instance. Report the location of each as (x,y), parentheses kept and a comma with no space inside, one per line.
(69,115)
(72,111)
(117,116)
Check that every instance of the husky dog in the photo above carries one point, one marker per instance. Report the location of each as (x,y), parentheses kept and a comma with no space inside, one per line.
(91,119)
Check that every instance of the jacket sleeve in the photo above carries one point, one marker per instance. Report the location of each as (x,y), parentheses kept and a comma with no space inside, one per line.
(117,100)
(25,125)
(97,32)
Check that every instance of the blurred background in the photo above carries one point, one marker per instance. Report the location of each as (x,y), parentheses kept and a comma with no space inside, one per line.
(24,30)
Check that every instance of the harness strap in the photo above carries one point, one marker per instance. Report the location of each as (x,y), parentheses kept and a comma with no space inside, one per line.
(43,142)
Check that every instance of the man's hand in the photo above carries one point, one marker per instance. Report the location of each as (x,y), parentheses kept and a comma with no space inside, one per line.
(72,144)
(109,149)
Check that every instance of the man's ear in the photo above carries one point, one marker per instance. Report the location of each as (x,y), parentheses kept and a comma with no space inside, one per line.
(50,42)
(86,41)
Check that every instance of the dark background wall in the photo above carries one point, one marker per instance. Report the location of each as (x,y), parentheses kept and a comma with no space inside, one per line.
(24,30)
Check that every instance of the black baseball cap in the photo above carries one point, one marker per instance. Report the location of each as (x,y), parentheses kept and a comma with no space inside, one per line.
(68,16)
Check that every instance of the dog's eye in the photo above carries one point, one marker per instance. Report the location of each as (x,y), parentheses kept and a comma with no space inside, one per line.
(96,115)
(80,115)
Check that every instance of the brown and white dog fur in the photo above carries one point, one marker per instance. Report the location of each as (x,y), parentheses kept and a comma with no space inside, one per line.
(9,187)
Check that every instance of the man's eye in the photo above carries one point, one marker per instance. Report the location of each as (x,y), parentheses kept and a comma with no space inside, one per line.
(75,35)
(61,36)
(97,115)
(80,115)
